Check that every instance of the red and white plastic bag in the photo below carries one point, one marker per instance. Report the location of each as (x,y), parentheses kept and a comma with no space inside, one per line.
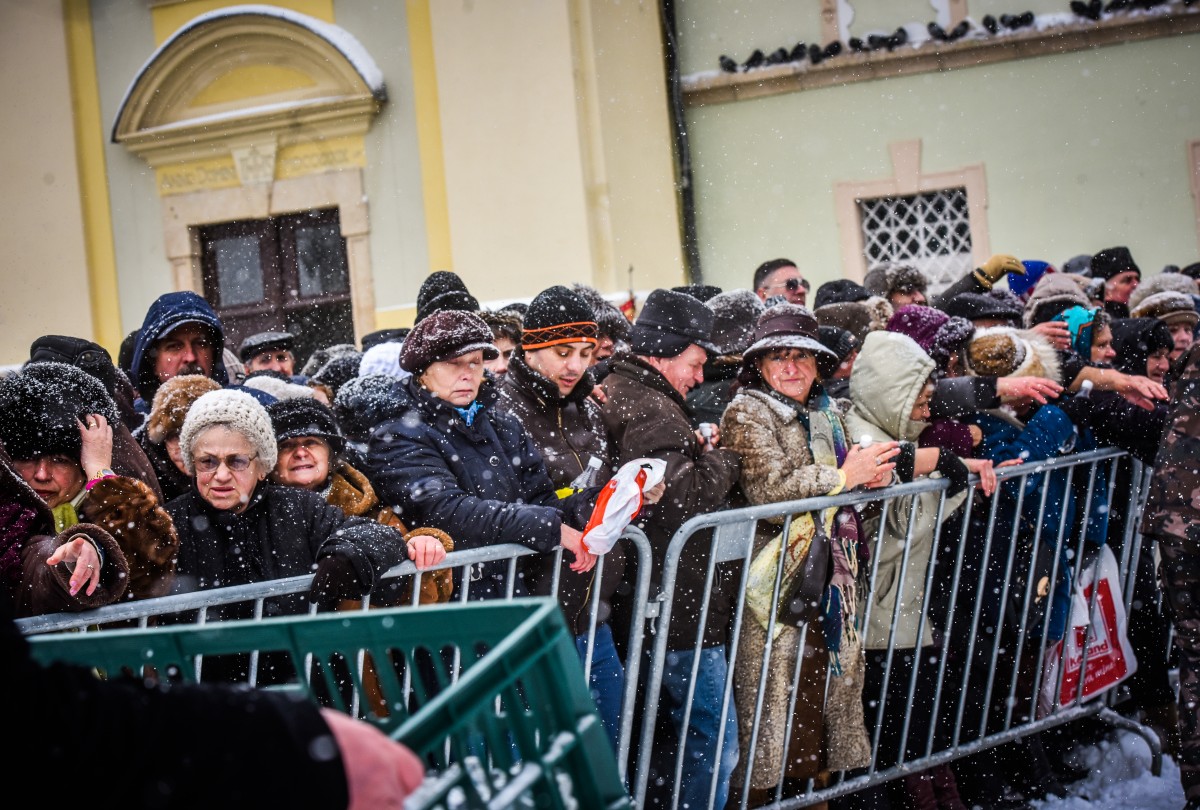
(620,501)
(1109,659)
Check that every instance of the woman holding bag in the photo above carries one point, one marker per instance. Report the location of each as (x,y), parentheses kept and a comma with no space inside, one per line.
(793,445)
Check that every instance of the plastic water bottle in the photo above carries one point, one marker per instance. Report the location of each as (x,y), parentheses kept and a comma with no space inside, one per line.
(590,477)
(1085,389)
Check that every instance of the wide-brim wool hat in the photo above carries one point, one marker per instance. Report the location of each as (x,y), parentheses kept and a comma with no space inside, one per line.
(670,322)
(735,313)
(1163,282)
(1001,351)
(236,410)
(265,342)
(295,418)
(444,335)
(555,316)
(790,326)
(1170,307)
(1112,262)
(171,403)
(42,404)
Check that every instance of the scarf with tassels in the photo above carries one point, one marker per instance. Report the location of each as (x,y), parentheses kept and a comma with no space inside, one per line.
(828,444)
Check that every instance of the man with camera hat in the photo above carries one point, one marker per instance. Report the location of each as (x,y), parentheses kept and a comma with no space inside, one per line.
(647,416)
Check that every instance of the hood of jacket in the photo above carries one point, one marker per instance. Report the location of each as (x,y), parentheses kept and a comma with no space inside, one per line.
(166,313)
(1135,339)
(888,376)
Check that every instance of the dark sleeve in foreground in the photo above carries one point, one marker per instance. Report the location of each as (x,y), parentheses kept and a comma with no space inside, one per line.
(126,745)
(955,397)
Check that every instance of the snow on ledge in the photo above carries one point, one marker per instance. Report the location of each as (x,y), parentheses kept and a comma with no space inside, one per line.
(338,37)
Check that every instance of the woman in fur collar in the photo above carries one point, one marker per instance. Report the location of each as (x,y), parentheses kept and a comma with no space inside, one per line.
(793,445)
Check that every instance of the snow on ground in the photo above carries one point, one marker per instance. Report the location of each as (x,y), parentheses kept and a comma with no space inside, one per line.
(1120,778)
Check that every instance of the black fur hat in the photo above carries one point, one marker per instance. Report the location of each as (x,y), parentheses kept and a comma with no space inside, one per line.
(304,416)
(41,407)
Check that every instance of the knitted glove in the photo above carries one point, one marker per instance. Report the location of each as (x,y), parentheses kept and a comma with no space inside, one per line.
(334,581)
(997,268)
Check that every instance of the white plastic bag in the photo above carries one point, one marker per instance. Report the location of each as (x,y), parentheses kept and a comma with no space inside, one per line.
(619,502)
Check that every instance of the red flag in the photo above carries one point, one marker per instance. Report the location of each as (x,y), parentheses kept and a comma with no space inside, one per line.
(629,308)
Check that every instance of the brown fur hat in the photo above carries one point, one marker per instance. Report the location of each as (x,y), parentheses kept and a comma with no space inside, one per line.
(171,403)
(1002,351)
(1169,306)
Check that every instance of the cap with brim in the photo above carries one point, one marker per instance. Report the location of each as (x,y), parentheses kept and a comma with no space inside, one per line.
(265,342)
(670,322)
(789,326)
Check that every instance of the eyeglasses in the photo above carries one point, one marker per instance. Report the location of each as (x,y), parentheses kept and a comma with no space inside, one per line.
(210,464)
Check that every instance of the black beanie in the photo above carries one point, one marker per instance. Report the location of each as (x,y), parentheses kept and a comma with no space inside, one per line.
(1113,261)
(304,416)
(558,315)
(838,340)
(41,407)
(840,291)
(444,290)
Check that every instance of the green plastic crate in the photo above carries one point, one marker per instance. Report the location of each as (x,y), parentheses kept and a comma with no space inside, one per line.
(517,727)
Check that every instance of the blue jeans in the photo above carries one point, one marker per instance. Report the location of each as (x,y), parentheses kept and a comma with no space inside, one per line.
(700,745)
(607,679)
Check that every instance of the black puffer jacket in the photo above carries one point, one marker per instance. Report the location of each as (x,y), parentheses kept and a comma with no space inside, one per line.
(283,532)
(482,483)
(567,431)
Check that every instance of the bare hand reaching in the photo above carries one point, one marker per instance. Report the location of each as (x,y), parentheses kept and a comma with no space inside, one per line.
(572,541)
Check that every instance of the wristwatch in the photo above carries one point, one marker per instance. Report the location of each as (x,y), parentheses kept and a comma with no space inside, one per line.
(105,473)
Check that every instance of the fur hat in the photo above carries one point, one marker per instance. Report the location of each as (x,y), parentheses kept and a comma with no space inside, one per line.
(939,334)
(1163,282)
(1169,306)
(1054,293)
(1192,271)
(996,303)
(364,402)
(444,335)
(338,370)
(856,317)
(670,322)
(840,291)
(1113,261)
(1002,351)
(42,404)
(277,384)
(735,313)
(555,316)
(171,403)
(305,417)
(444,290)
(610,321)
(892,278)
(236,410)
(265,342)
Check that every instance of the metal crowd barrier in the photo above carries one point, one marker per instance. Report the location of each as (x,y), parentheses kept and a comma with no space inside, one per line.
(986,697)
(196,607)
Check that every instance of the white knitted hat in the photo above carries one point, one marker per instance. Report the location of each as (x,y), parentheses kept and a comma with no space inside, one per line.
(237,411)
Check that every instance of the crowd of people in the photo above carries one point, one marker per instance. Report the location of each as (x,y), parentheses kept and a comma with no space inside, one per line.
(187,465)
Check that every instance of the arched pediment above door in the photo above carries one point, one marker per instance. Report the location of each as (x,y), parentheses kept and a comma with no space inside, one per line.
(245,73)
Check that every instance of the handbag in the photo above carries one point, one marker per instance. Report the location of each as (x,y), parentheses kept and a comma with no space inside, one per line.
(804,580)
(801,602)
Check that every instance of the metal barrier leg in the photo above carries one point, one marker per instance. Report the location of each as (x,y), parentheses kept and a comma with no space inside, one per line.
(1120,721)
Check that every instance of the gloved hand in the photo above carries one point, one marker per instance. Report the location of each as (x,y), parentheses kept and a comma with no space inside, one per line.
(997,268)
(334,581)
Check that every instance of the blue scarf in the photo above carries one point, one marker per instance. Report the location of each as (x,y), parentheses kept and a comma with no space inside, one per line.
(470,412)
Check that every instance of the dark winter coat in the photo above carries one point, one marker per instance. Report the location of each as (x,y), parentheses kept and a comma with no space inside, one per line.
(167,312)
(708,400)
(195,746)
(648,418)
(1172,507)
(283,532)
(567,431)
(483,483)
(27,540)
(171,480)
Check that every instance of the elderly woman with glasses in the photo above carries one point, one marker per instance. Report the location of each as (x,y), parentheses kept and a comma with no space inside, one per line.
(236,527)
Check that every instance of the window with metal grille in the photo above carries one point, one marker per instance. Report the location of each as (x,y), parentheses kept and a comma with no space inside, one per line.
(930,231)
